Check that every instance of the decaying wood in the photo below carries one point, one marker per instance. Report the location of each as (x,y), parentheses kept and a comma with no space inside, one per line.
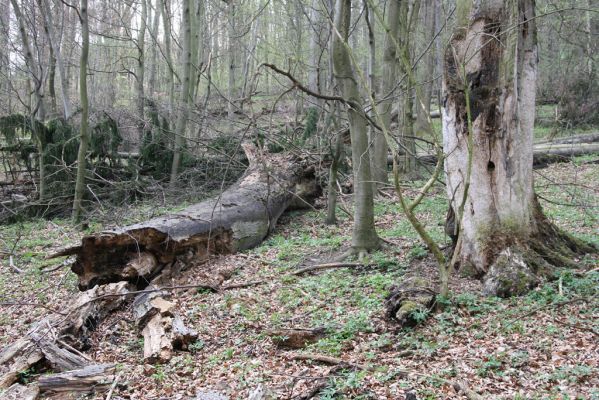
(92,378)
(162,327)
(238,219)
(584,138)
(411,296)
(20,392)
(55,340)
(320,267)
(295,338)
(326,360)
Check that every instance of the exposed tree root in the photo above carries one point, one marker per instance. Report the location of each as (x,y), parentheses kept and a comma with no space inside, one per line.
(521,264)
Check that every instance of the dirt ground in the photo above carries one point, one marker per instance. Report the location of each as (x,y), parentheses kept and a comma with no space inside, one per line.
(540,346)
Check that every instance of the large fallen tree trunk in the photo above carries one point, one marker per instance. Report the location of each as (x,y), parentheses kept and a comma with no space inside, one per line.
(574,139)
(238,219)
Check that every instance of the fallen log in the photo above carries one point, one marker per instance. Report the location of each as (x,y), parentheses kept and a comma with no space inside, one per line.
(92,378)
(574,139)
(543,154)
(238,219)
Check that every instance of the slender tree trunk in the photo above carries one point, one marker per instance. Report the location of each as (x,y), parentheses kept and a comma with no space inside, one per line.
(185,94)
(337,153)
(166,19)
(406,131)
(5,56)
(84,132)
(37,111)
(154,50)
(315,50)
(140,72)
(231,29)
(57,53)
(51,81)
(364,237)
(388,83)
(427,70)
(489,94)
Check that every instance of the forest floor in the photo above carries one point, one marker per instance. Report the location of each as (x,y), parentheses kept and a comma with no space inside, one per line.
(540,346)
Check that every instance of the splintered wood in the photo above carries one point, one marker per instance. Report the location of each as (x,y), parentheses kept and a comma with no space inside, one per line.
(162,328)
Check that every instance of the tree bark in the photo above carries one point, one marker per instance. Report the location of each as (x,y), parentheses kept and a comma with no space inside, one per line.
(364,237)
(388,83)
(53,40)
(141,66)
(84,137)
(38,111)
(185,95)
(489,84)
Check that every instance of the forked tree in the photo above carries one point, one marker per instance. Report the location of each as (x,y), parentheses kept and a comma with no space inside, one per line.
(489,97)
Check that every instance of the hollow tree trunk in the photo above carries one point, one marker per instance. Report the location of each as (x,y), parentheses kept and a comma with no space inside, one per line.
(237,219)
(489,79)
(364,235)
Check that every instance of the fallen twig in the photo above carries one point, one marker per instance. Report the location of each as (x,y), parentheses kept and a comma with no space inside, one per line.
(327,360)
(113,386)
(319,267)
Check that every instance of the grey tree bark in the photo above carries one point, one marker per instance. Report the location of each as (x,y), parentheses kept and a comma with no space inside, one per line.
(364,237)
(53,40)
(185,94)
(37,111)
(170,76)
(140,72)
(408,160)
(154,50)
(84,136)
(388,86)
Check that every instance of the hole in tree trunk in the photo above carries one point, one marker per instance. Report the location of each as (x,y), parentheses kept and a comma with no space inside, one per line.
(490,166)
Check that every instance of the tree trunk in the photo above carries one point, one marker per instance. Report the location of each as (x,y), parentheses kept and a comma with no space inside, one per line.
(231,31)
(53,40)
(407,163)
(237,219)
(154,51)
(84,132)
(166,20)
(427,77)
(141,68)
(185,95)
(388,83)
(489,84)
(38,110)
(364,237)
